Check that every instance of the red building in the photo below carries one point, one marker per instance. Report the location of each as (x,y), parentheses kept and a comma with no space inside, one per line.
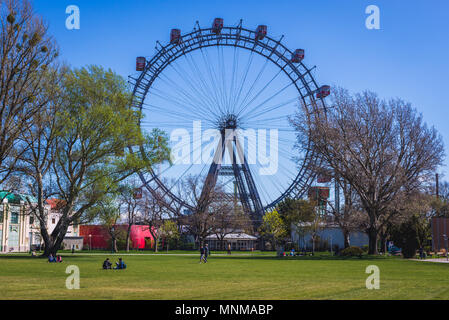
(97,236)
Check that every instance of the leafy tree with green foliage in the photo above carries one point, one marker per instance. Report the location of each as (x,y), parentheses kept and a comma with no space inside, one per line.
(92,126)
(108,215)
(296,212)
(169,231)
(273,227)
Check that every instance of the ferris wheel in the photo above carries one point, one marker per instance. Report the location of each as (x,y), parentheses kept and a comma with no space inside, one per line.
(237,85)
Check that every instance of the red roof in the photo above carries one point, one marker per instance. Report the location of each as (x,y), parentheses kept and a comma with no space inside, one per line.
(56,204)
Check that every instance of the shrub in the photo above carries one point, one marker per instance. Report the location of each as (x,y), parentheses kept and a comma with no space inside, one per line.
(352,252)
(365,248)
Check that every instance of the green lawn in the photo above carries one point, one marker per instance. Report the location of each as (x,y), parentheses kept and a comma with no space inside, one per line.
(259,276)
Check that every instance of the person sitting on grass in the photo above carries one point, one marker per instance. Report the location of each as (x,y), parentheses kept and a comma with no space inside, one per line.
(120,264)
(58,258)
(51,258)
(107,264)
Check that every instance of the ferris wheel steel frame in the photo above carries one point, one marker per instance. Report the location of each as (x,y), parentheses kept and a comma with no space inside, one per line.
(243,38)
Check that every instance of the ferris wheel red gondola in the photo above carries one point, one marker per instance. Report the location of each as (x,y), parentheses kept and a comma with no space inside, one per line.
(297,56)
(261,32)
(175,36)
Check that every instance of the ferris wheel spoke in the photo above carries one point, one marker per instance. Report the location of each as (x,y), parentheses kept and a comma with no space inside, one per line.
(200,101)
(273,96)
(188,119)
(256,80)
(245,76)
(193,109)
(222,68)
(182,102)
(190,156)
(259,93)
(268,109)
(216,81)
(194,85)
(213,81)
(199,80)
(207,89)
(233,78)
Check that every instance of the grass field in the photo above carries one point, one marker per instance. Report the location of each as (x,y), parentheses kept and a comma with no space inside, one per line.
(259,276)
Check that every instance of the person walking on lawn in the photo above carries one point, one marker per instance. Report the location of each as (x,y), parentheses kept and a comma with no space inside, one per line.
(201,254)
(206,253)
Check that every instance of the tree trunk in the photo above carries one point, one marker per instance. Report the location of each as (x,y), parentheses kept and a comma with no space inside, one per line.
(114,244)
(383,241)
(313,245)
(53,242)
(156,241)
(127,243)
(128,231)
(372,235)
(346,238)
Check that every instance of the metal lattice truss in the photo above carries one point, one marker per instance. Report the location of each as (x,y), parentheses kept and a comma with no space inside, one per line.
(269,48)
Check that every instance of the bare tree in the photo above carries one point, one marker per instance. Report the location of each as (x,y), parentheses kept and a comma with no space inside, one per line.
(35,163)
(152,212)
(350,216)
(200,222)
(26,52)
(109,215)
(382,149)
(130,200)
(227,219)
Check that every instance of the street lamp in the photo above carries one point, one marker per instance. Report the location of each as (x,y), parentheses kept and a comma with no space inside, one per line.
(90,242)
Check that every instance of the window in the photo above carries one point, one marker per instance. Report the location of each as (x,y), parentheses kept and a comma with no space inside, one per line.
(1,216)
(14,218)
(53,220)
(31,220)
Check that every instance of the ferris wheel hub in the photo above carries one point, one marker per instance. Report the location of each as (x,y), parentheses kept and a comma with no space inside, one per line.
(228,121)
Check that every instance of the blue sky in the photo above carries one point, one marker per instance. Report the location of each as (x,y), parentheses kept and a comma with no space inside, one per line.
(407,58)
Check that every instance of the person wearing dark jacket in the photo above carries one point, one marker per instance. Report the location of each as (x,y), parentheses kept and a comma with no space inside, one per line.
(107,264)
(201,254)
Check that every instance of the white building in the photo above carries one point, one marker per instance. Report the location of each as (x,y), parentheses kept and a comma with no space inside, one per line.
(19,231)
(237,241)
